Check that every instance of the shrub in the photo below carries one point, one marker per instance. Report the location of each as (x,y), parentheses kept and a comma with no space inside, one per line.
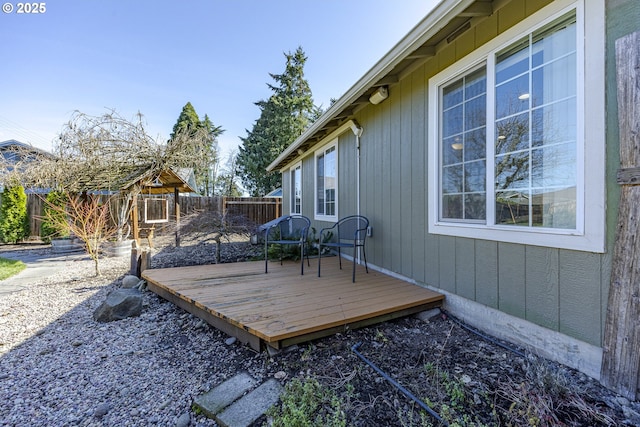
(52,217)
(306,403)
(14,222)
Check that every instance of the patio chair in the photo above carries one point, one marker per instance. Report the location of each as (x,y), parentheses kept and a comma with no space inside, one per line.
(287,230)
(349,232)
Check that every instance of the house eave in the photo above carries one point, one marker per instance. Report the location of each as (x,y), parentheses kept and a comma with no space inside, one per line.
(414,46)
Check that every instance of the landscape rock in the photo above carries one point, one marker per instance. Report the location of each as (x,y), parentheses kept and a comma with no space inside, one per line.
(102,410)
(184,420)
(120,304)
(130,281)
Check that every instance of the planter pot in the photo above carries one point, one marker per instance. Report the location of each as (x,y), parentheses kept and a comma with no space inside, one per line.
(61,246)
(117,249)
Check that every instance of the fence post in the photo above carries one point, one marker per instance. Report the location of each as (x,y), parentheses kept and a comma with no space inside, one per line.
(176,196)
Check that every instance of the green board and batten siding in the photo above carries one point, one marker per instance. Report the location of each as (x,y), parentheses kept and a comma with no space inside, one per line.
(562,290)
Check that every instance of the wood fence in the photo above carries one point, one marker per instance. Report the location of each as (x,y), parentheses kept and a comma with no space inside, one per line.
(256,210)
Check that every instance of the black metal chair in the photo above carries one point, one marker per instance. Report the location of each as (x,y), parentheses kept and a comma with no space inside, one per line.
(287,230)
(349,232)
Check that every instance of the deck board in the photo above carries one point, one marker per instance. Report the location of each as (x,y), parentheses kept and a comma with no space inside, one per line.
(284,306)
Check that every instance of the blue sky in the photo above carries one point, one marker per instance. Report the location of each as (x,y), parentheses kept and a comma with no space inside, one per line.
(155,56)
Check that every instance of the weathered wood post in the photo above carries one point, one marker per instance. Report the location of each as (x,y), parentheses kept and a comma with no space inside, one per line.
(621,347)
(176,198)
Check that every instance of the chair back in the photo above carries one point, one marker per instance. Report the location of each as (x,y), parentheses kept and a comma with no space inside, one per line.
(294,227)
(352,228)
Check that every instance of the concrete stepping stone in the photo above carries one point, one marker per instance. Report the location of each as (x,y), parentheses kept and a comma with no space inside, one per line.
(248,409)
(218,398)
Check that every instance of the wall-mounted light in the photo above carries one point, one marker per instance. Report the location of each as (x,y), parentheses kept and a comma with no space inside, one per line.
(300,151)
(457,144)
(379,95)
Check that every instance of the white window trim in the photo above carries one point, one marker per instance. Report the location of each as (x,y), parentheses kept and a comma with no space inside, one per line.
(291,196)
(320,151)
(590,222)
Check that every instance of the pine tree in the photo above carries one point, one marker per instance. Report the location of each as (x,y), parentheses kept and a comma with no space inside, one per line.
(283,118)
(190,122)
(14,221)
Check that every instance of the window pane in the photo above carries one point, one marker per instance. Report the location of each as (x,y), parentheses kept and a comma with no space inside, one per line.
(475,206)
(554,123)
(512,97)
(512,207)
(475,176)
(512,171)
(331,202)
(452,206)
(475,144)
(452,121)
(452,95)
(296,190)
(512,134)
(475,113)
(452,179)
(452,150)
(512,62)
(320,184)
(555,209)
(463,140)
(475,84)
(326,182)
(536,151)
(554,166)
(554,41)
(554,81)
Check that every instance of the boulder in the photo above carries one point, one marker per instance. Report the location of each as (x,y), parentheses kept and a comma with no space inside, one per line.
(130,281)
(120,304)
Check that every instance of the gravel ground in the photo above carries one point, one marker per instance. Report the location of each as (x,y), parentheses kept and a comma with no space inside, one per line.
(58,367)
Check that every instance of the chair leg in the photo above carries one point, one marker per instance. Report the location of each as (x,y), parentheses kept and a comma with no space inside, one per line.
(302,259)
(364,254)
(319,257)
(353,278)
(266,254)
(340,257)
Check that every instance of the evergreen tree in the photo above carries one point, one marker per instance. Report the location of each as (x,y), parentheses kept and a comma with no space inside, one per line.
(14,222)
(189,122)
(283,118)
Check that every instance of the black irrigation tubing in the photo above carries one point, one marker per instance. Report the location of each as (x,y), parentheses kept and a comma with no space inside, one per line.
(406,392)
(480,334)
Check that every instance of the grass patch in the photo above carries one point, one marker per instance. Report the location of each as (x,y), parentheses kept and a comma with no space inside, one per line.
(10,267)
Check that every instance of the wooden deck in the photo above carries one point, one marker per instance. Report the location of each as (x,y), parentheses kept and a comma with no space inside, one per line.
(282,307)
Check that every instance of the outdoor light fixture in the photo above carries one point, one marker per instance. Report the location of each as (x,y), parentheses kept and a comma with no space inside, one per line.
(457,144)
(379,95)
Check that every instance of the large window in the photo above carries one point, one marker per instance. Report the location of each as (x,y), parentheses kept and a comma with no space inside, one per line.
(511,139)
(295,175)
(326,183)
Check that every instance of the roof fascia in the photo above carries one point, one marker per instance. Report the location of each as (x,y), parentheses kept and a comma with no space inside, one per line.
(425,29)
